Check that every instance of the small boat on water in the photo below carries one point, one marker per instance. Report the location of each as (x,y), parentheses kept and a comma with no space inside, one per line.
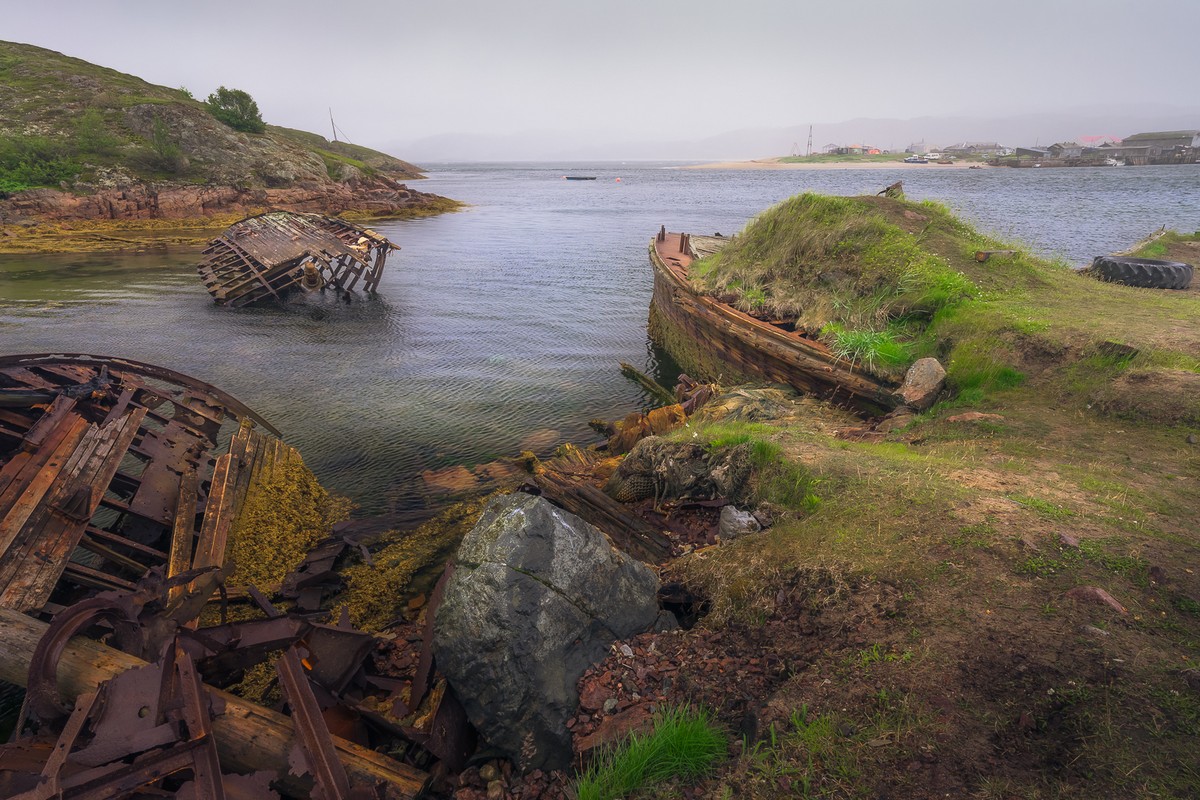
(579,177)
(716,340)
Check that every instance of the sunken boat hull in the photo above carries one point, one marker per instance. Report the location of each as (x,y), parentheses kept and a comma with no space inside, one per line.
(717,341)
(108,468)
(266,257)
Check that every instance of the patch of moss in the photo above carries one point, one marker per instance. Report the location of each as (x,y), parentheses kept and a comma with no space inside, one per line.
(408,564)
(285,513)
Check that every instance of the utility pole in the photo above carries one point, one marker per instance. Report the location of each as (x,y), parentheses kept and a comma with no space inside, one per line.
(331,125)
(808,150)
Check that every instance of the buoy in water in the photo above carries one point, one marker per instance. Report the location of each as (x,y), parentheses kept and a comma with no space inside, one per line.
(618,180)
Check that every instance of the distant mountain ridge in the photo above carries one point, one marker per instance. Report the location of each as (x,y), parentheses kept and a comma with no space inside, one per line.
(82,141)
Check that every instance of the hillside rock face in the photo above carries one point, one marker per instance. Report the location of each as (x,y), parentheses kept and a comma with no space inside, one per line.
(167,201)
(538,596)
(135,150)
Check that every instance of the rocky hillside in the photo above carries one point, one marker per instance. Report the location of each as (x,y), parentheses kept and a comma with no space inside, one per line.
(80,141)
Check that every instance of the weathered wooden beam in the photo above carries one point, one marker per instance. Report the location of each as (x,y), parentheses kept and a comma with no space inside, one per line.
(183,530)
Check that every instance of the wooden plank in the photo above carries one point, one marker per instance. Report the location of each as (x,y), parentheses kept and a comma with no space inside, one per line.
(36,436)
(39,553)
(183,530)
(221,507)
(214,529)
(246,470)
(32,493)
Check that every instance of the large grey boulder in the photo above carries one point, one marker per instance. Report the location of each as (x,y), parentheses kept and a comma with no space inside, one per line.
(923,383)
(538,596)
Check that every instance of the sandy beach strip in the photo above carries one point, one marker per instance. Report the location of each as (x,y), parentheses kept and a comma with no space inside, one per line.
(768,163)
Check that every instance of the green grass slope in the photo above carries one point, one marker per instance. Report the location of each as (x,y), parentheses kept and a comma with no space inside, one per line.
(1002,593)
(66,121)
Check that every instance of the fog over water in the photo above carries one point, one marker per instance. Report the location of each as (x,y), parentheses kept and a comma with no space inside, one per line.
(479,79)
(500,328)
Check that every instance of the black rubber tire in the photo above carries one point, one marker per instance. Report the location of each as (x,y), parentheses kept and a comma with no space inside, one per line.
(1148,273)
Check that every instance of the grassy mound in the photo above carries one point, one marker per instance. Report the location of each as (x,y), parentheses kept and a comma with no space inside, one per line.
(1065,463)
(885,281)
(842,267)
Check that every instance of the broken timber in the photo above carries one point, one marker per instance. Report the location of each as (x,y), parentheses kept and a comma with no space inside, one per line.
(267,256)
(751,346)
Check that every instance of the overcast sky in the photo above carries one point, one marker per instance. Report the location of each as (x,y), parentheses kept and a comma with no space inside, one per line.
(616,70)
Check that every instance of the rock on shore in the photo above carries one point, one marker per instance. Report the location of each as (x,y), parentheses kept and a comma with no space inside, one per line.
(538,596)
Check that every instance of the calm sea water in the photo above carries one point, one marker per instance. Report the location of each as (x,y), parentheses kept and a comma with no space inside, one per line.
(500,328)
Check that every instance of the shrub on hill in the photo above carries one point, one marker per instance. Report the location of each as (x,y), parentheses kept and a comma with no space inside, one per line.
(236,109)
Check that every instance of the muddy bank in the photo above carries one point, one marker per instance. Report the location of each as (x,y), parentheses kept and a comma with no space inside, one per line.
(145,215)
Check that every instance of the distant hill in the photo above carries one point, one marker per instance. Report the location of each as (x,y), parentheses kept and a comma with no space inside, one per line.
(1118,119)
(72,128)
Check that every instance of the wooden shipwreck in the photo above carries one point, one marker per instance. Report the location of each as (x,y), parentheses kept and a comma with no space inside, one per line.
(118,494)
(713,339)
(265,257)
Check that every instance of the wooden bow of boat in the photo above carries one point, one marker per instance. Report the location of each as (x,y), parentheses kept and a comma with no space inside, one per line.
(747,346)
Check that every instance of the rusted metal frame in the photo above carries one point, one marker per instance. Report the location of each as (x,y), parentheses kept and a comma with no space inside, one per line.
(86,576)
(150,370)
(112,556)
(118,539)
(42,678)
(206,765)
(146,769)
(122,403)
(248,736)
(313,733)
(62,750)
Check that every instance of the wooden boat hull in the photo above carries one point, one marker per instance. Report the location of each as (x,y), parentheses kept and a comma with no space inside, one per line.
(718,342)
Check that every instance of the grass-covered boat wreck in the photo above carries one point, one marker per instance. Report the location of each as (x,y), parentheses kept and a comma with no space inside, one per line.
(826,294)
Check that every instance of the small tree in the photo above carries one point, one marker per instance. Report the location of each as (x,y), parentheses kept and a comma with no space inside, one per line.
(236,109)
(92,136)
(167,154)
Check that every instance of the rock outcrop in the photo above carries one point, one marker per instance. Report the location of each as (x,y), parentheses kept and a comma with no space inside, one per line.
(923,383)
(538,595)
(126,149)
(658,467)
(378,195)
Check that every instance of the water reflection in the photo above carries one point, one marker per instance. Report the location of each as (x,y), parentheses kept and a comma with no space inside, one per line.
(503,324)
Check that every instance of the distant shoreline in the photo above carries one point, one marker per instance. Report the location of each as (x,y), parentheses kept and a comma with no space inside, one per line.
(770,163)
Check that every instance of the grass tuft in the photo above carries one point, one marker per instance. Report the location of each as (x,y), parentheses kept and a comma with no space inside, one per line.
(684,744)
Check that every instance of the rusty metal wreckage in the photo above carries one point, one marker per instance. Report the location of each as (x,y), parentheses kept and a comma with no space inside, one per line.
(114,514)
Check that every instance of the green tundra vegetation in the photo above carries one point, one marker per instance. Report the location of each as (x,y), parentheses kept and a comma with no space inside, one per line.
(64,121)
(959,566)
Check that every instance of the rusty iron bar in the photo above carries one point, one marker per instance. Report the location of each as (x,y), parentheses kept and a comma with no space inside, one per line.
(327,770)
